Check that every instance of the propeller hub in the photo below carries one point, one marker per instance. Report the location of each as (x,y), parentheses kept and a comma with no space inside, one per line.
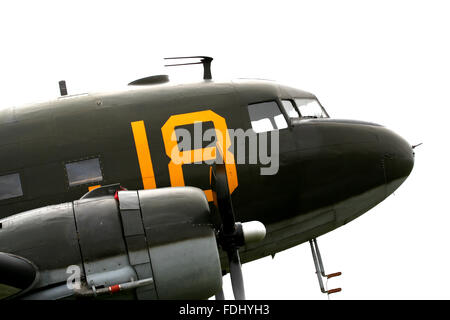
(254,231)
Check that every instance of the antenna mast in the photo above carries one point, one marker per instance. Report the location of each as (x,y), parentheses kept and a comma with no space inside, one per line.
(204,60)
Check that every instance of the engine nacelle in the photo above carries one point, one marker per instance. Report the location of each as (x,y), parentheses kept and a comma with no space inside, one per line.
(160,243)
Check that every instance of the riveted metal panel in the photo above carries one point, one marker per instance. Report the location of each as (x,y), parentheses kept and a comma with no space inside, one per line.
(100,235)
(129,200)
(144,271)
(136,241)
(137,249)
(109,278)
(45,236)
(174,214)
(132,222)
(130,213)
(182,243)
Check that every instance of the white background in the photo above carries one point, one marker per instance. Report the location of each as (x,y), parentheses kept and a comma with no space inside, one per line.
(380,61)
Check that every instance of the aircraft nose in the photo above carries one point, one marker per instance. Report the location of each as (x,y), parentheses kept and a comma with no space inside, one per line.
(365,155)
(352,163)
(398,157)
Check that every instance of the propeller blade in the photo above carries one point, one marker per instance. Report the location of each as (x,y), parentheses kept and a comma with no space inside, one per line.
(223,198)
(220,295)
(231,235)
(237,280)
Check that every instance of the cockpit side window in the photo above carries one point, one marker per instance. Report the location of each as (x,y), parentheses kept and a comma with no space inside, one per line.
(266,116)
(289,108)
(310,108)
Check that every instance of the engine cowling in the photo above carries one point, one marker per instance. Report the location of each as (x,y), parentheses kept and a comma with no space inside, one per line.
(160,238)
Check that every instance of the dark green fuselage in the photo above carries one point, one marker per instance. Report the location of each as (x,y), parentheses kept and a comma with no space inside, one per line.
(331,171)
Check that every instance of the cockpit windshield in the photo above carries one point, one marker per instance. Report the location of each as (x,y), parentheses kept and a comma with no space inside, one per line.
(310,108)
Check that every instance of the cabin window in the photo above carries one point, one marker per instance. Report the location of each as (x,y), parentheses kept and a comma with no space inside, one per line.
(310,108)
(266,116)
(10,186)
(84,171)
(288,106)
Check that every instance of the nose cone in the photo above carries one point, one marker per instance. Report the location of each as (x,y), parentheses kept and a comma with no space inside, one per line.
(342,159)
(349,165)
(398,158)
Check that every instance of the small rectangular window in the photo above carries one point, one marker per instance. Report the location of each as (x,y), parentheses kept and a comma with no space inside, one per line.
(84,171)
(266,116)
(10,186)
(288,106)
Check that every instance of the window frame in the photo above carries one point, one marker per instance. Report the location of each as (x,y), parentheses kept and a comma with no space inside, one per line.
(15,198)
(318,102)
(93,182)
(291,100)
(282,111)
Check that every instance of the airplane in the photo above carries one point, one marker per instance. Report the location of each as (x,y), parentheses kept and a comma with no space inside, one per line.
(103,196)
